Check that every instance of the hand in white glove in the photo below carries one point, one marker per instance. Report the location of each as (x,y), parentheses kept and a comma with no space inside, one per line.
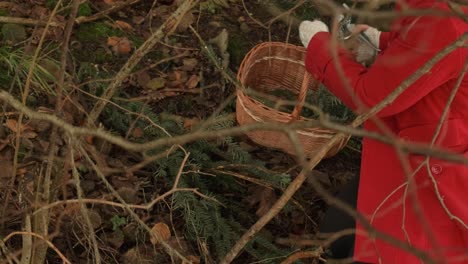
(363,52)
(308,29)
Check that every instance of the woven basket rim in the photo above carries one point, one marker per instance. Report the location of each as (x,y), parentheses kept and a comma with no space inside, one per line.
(250,110)
(242,96)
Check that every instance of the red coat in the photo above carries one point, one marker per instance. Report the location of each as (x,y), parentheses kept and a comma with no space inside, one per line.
(412,116)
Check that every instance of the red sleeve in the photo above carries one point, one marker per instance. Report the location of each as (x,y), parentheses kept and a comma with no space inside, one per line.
(402,58)
(385,39)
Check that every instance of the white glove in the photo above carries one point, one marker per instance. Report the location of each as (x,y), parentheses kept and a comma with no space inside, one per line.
(364,53)
(308,29)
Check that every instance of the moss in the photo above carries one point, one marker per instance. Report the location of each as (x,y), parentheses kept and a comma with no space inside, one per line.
(136,40)
(101,56)
(96,32)
(4,12)
(51,4)
(85,10)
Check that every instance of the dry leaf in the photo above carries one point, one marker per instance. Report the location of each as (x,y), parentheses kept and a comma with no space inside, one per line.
(137,132)
(119,45)
(189,64)
(7,169)
(89,139)
(156,83)
(123,25)
(138,19)
(190,122)
(186,21)
(193,259)
(222,40)
(264,197)
(13,126)
(140,254)
(21,171)
(113,41)
(29,134)
(162,231)
(109,2)
(177,78)
(143,78)
(192,82)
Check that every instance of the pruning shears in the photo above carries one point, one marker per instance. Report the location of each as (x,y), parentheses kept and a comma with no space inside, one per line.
(345,23)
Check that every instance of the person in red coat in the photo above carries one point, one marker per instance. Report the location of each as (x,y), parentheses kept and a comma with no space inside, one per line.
(438,226)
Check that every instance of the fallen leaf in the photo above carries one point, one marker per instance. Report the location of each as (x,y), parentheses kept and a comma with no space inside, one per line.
(39,12)
(222,40)
(125,46)
(89,139)
(156,83)
(177,78)
(189,64)
(115,239)
(192,82)
(193,259)
(143,78)
(113,41)
(21,171)
(129,195)
(41,126)
(160,230)
(29,134)
(187,20)
(137,132)
(119,45)
(264,197)
(123,25)
(94,217)
(138,19)
(140,255)
(190,122)
(7,169)
(13,126)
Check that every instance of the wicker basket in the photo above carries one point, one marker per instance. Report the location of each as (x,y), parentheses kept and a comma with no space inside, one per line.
(265,68)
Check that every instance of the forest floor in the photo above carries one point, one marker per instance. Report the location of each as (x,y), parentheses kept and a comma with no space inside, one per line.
(173,90)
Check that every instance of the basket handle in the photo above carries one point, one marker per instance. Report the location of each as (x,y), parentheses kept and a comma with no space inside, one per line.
(296,113)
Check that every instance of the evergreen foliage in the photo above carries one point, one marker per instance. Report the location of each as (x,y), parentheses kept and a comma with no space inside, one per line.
(321,99)
(219,224)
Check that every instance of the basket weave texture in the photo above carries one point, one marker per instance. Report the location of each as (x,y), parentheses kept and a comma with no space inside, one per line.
(270,66)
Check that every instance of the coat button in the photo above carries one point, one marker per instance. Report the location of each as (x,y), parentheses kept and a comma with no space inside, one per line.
(436,169)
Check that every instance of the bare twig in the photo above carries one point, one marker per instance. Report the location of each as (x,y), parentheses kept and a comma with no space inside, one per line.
(148,206)
(184,139)
(303,255)
(52,246)
(83,208)
(434,139)
(26,250)
(29,21)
